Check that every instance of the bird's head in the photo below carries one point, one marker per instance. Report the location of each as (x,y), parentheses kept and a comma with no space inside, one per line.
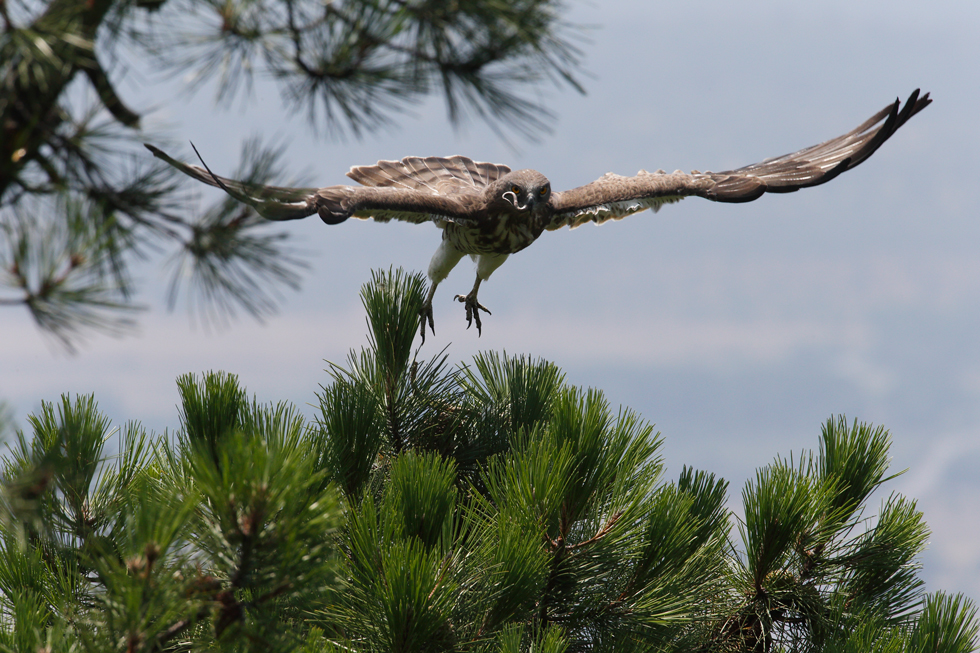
(520,191)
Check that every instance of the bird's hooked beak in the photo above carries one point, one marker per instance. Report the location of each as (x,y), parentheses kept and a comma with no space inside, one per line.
(511,197)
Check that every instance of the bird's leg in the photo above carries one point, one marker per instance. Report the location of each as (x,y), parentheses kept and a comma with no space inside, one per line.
(444,260)
(485,265)
(425,314)
(473,307)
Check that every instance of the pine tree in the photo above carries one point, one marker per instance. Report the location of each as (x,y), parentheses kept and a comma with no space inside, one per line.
(80,199)
(486,507)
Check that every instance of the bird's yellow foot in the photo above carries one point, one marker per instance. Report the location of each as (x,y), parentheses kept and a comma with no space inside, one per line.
(425,316)
(473,309)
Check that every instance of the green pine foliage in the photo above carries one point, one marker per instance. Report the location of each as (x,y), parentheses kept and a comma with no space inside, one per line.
(486,507)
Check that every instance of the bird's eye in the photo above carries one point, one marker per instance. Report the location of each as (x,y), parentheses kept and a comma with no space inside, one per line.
(544,191)
(515,189)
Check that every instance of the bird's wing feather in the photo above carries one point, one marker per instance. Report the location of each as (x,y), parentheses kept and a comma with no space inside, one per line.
(334,204)
(435,174)
(407,205)
(612,197)
(271,202)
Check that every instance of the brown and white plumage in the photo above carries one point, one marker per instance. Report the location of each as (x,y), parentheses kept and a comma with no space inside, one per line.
(488,211)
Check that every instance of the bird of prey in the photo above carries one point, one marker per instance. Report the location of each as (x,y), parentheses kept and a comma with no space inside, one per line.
(489,211)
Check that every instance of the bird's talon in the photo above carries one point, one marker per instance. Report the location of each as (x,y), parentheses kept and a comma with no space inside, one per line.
(473,309)
(425,315)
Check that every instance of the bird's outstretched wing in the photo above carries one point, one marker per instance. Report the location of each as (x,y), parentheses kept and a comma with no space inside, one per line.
(612,197)
(379,201)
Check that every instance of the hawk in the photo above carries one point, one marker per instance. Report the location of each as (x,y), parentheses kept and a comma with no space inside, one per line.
(489,211)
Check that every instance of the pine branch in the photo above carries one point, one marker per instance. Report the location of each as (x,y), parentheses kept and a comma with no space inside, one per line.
(229,534)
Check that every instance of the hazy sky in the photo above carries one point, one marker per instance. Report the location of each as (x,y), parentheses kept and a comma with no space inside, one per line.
(736,329)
